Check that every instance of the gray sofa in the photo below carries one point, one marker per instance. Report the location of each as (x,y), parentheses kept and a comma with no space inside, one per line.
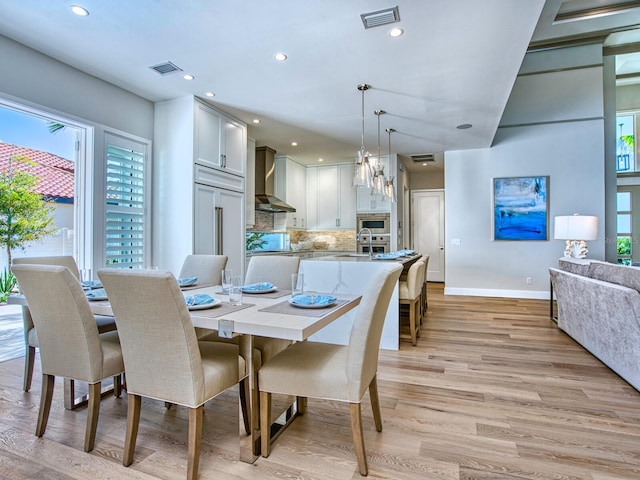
(599,307)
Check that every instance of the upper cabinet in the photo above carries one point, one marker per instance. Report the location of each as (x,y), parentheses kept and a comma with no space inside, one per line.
(220,142)
(331,200)
(250,188)
(291,187)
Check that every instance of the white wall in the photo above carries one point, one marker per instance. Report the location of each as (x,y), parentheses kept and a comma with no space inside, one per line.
(42,81)
(546,130)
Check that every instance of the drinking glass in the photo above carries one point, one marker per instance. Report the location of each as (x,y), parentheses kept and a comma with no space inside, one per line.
(226,280)
(297,284)
(235,291)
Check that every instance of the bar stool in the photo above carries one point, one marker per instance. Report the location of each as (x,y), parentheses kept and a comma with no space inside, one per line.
(410,293)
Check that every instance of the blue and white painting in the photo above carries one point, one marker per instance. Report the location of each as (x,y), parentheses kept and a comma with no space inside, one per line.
(520,208)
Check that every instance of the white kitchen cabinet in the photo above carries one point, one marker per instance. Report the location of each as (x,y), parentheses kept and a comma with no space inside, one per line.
(250,184)
(331,200)
(291,186)
(219,223)
(184,169)
(220,142)
(374,203)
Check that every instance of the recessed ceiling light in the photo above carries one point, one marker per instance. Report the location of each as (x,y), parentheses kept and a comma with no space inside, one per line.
(80,11)
(256,121)
(464,126)
(188,77)
(425,164)
(281,57)
(294,144)
(321,159)
(210,94)
(395,32)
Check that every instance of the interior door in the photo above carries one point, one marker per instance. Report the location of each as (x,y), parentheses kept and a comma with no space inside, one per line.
(428,230)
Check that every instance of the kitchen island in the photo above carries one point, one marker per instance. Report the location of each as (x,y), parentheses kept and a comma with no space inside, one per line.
(350,274)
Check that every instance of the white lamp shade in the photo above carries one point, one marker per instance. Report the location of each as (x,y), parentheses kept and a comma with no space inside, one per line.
(575,227)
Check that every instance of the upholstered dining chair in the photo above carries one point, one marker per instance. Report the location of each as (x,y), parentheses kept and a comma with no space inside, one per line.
(207,268)
(276,269)
(104,323)
(425,301)
(68,338)
(164,359)
(410,294)
(334,372)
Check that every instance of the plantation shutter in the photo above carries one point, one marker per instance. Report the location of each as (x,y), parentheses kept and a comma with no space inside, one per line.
(125,203)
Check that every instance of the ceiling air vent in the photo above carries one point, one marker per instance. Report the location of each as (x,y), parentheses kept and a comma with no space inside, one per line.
(166,68)
(381,17)
(423,157)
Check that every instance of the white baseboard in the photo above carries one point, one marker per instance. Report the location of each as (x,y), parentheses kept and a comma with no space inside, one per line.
(481,292)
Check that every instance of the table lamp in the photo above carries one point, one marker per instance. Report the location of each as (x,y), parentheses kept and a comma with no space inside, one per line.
(576,229)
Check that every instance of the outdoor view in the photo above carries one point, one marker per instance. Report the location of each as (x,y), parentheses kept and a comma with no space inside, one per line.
(37,185)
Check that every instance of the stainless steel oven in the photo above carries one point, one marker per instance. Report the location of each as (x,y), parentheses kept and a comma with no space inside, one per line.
(378,223)
(379,243)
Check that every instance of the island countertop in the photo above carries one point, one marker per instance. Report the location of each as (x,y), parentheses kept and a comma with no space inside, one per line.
(364,258)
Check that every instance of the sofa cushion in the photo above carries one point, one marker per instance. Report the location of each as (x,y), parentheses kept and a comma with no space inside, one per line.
(619,274)
(579,266)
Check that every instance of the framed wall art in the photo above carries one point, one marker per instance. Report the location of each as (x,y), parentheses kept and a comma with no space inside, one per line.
(521,208)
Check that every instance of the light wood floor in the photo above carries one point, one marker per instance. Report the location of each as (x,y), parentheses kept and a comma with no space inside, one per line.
(492,391)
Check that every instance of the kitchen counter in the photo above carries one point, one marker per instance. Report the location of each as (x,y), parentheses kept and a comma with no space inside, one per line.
(349,274)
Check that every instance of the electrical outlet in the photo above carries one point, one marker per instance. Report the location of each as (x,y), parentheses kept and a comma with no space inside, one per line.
(528,280)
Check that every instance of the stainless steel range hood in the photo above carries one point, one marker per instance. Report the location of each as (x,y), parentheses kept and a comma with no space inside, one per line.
(265,173)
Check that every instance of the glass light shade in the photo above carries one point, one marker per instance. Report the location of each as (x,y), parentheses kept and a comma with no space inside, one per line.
(362,176)
(390,190)
(379,181)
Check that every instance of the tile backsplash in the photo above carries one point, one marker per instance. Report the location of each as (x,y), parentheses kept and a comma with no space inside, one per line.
(333,240)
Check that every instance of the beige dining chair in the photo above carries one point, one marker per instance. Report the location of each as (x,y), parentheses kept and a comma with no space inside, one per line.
(163,358)
(105,323)
(410,294)
(68,338)
(208,268)
(276,269)
(334,372)
(425,301)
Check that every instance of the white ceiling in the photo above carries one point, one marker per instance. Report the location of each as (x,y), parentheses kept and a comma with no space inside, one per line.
(456,62)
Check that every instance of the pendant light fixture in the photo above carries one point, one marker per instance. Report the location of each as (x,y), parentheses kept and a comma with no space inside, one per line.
(389,187)
(362,176)
(378,169)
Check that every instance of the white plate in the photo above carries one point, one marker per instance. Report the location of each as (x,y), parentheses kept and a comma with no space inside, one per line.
(268,290)
(322,305)
(215,303)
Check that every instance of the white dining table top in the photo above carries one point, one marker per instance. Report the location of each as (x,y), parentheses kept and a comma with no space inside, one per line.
(252,321)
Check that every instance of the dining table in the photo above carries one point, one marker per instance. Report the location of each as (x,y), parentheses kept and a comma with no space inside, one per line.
(268,314)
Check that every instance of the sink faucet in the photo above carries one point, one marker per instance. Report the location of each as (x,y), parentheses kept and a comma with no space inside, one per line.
(370,240)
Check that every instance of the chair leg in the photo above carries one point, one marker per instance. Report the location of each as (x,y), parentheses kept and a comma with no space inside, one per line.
(117,386)
(375,403)
(358,438)
(48,382)
(244,395)
(412,323)
(195,440)
(419,316)
(29,359)
(133,419)
(301,405)
(265,423)
(92,415)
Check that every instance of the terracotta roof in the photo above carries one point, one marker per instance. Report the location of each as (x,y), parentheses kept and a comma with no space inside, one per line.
(55,174)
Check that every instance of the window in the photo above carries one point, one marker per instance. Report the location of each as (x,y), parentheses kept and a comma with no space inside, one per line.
(625,144)
(126,221)
(623,228)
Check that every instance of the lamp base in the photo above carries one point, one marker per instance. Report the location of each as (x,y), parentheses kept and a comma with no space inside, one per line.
(576,249)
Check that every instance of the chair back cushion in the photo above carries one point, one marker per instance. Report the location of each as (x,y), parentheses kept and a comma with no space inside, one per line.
(364,340)
(415,278)
(208,268)
(276,269)
(67,331)
(61,260)
(161,354)
(426,265)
